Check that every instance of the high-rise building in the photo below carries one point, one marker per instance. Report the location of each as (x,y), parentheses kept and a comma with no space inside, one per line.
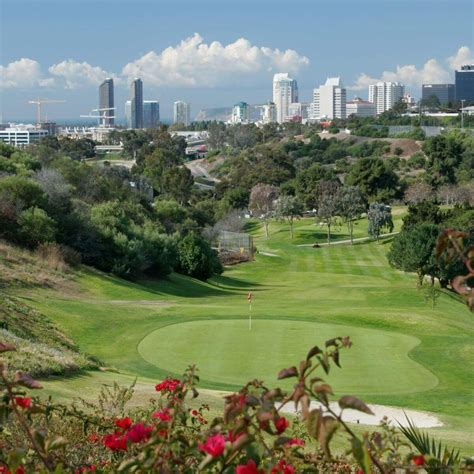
(329,100)
(285,92)
(385,95)
(445,93)
(128,113)
(360,108)
(151,113)
(464,79)
(269,113)
(106,102)
(240,113)
(181,112)
(136,104)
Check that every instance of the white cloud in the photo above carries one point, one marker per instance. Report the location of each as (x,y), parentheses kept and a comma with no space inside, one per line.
(73,74)
(463,56)
(24,73)
(431,72)
(195,63)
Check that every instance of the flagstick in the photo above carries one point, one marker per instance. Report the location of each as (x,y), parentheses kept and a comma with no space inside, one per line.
(250,315)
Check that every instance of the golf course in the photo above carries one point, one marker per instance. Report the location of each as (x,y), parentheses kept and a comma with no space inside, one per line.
(406,352)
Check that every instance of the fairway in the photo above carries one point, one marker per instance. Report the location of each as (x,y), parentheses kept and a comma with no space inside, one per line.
(228,352)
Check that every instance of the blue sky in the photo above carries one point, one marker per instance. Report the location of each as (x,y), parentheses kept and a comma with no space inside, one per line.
(68,46)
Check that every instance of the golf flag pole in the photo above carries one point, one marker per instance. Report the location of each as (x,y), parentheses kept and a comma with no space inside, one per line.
(249,299)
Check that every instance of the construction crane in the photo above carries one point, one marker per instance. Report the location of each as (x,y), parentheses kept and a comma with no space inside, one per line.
(101,115)
(39,103)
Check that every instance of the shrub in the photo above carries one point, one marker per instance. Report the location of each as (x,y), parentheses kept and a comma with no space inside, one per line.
(36,227)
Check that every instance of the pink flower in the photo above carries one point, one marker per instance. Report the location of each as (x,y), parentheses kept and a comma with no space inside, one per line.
(163,415)
(139,432)
(214,445)
(281,467)
(231,436)
(281,424)
(249,468)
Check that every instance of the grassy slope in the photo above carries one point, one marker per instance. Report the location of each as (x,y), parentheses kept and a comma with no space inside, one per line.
(343,287)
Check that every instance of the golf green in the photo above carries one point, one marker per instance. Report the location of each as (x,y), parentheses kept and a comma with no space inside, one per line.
(227,352)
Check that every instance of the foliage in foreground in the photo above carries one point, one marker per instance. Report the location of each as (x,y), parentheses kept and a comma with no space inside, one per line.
(251,437)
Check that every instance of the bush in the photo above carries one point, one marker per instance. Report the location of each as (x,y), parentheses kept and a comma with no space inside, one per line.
(196,258)
(36,227)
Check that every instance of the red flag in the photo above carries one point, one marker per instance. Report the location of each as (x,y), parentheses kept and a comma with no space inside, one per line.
(249,297)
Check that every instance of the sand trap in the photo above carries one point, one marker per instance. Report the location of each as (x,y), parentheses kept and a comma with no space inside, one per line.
(394,415)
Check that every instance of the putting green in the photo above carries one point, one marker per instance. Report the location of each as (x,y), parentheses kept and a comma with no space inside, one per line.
(227,353)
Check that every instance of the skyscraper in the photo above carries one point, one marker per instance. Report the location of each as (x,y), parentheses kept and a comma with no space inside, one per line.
(285,92)
(464,79)
(269,113)
(445,93)
(329,100)
(385,95)
(128,113)
(181,112)
(106,101)
(151,113)
(240,113)
(136,103)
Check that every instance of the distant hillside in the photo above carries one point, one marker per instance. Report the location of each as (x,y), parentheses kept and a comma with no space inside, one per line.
(42,349)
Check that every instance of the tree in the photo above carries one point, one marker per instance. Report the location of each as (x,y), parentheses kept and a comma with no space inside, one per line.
(262,202)
(36,227)
(307,180)
(374,179)
(423,212)
(289,208)
(445,153)
(196,258)
(412,250)
(380,218)
(351,206)
(177,182)
(327,202)
(418,192)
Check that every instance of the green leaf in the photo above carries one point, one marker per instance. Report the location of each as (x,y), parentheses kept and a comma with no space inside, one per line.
(359,450)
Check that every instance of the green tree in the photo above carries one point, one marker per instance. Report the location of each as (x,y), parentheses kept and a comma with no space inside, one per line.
(289,208)
(177,183)
(328,203)
(262,202)
(307,180)
(36,227)
(351,206)
(422,212)
(374,179)
(412,250)
(196,258)
(379,216)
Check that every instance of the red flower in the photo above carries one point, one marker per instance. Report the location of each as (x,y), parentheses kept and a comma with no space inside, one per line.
(93,437)
(23,402)
(194,413)
(4,470)
(281,424)
(295,442)
(139,432)
(419,460)
(281,467)
(163,415)
(123,423)
(359,471)
(115,443)
(249,468)
(20,470)
(168,385)
(214,445)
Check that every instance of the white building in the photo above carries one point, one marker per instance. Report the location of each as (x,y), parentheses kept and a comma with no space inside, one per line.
(240,113)
(360,108)
(385,95)
(285,92)
(181,112)
(22,135)
(269,112)
(329,100)
(128,113)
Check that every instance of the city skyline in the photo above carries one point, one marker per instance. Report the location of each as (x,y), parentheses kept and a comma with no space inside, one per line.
(170,64)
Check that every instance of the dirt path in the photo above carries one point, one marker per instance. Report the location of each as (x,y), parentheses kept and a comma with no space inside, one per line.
(339,242)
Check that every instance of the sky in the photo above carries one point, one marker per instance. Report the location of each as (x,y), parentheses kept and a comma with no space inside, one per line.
(214,53)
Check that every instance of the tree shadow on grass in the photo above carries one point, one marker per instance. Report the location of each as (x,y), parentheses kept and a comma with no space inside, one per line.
(226,282)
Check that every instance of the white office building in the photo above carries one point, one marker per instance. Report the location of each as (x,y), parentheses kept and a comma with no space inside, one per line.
(22,135)
(240,113)
(269,112)
(329,100)
(385,95)
(181,112)
(285,92)
(360,108)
